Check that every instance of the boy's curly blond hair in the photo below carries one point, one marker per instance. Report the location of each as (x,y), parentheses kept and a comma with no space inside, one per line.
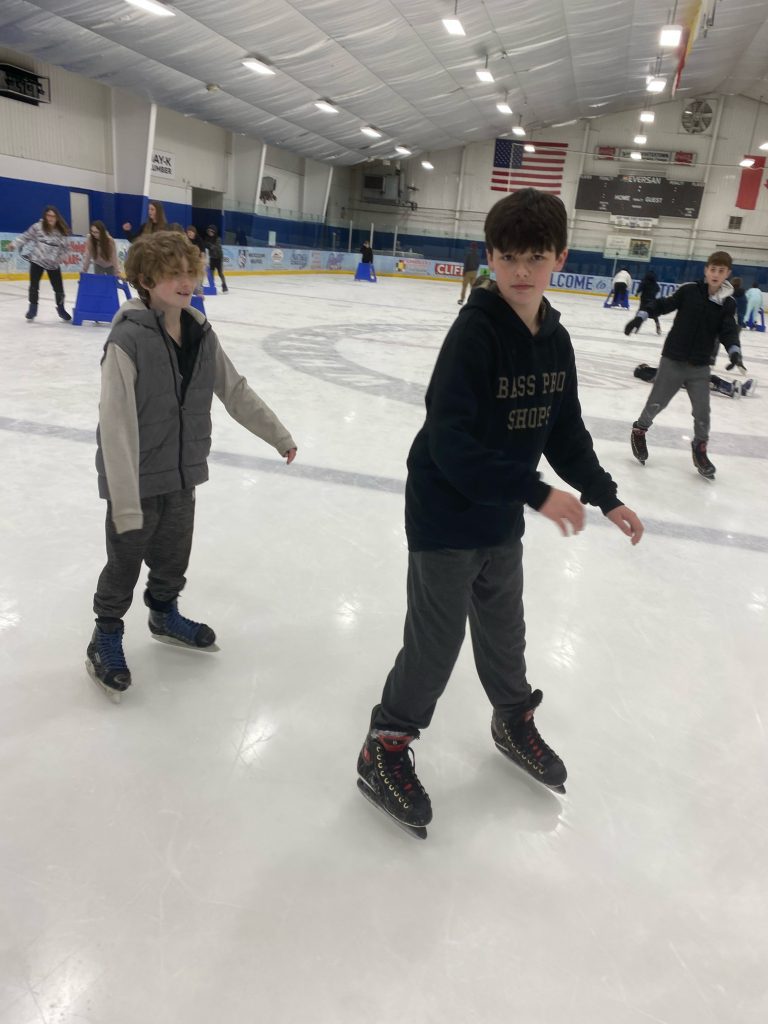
(162,254)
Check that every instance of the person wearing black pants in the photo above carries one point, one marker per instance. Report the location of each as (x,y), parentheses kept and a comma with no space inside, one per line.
(215,254)
(46,244)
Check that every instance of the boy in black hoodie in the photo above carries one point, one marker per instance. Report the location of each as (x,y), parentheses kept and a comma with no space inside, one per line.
(706,317)
(502,394)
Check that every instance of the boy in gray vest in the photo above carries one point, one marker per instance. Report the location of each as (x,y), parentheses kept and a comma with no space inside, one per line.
(162,364)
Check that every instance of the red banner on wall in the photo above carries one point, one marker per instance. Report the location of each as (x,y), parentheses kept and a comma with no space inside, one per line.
(749,183)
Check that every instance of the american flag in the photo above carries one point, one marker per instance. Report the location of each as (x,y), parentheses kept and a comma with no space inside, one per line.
(514,169)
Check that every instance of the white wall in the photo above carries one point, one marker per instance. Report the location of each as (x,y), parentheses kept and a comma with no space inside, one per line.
(69,143)
(73,131)
(200,151)
(436,212)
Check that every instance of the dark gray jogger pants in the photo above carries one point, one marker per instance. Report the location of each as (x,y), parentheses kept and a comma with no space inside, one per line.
(445,588)
(164,542)
(670,377)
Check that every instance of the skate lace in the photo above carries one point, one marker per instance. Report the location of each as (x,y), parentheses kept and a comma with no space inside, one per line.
(179,625)
(110,647)
(533,744)
(400,763)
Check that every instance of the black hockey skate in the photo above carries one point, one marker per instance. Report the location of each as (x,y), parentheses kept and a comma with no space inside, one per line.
(517,737)
(106,662)
(166,623)
(639,447)
(700,459)
(387,777)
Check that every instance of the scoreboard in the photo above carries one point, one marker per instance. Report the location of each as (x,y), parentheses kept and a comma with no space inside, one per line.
(646,195)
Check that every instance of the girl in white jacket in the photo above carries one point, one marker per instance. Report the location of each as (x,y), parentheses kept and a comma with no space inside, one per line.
(46,244)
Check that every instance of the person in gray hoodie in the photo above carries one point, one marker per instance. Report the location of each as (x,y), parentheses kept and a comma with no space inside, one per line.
(161,366)
(45,245)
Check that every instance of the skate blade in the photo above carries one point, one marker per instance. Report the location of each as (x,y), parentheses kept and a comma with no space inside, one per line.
(173,642)
(417,831)
(559,788)
(114,695)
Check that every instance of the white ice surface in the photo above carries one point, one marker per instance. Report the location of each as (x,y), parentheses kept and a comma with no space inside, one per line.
(199,854)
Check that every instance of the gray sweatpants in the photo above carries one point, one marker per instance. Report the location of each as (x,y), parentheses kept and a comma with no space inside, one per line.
(670,377)
(445,588)
(164,543)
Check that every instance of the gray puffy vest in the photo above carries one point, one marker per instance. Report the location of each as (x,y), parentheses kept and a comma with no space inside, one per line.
(174,439)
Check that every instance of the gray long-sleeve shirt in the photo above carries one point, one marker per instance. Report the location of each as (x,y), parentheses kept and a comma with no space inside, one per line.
(123,435)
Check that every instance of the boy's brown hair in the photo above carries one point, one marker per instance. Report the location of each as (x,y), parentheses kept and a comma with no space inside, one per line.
(528,219)
(162,254)
(721,258)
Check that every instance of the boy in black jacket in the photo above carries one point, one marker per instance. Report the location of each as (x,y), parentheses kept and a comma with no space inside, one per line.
(503,393)
(706,316)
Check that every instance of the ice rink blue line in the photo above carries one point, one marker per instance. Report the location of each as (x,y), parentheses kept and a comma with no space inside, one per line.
(388,485)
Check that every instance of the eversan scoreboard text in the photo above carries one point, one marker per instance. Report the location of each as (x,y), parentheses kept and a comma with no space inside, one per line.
(647,195)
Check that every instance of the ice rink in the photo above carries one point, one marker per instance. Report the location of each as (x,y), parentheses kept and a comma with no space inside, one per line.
(199,854)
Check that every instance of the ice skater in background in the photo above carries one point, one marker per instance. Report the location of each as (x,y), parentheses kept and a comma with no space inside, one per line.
(754,297)
(622,282)
(215,254)
(101,251)
(717,385)
(647,291)
(162,364)
(156,221)
(45,244)
(469,271)
(740,297)
(503,394)
(705,318)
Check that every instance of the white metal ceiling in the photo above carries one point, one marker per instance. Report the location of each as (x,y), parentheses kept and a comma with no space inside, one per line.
(390,63)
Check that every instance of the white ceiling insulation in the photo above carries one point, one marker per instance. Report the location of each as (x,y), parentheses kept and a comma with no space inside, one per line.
(391,64)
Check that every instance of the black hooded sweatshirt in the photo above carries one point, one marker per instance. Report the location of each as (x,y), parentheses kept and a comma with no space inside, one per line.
(701,324)
(498,400)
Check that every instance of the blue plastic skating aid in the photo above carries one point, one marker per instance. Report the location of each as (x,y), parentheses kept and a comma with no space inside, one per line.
(610,302)
(210,288)
(97,298)
(197,303)
(365,272)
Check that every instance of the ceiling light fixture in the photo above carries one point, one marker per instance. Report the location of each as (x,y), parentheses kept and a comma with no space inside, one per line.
(484,74)
(427,165)
(403,150)
(640,140)
(504,108)
(529,148)
(670,36)
(518,129)
(371,132)
(647,116)
(254,64)
(452,25)
(152,7)
(655,84)
(748,161)
(763,145)
(326,107)
(636,156)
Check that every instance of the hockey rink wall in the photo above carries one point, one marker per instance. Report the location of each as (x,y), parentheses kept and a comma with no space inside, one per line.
(249,260)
